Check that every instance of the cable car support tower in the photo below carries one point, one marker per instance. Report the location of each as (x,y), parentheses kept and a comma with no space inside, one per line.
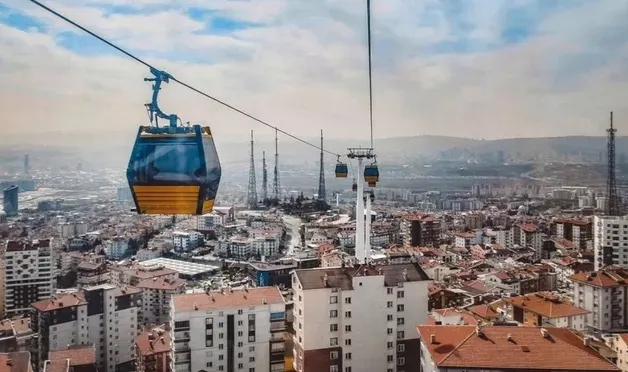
(252,191)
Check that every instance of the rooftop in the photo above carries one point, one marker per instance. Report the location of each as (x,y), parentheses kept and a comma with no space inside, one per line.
(546,305)
(342,277)
(227,299)
(153,341)
(79,355)
(608,277)
(513,348)
(182,267)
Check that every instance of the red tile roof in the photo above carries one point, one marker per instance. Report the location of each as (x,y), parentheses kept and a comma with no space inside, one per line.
(546,305)
(501,347)
(79,355)
(483,311)
(227,299)
(60,301)
(161,283)
(155,341)
(609,277)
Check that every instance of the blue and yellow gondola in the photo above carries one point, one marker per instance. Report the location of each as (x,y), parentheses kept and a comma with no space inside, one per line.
(173,169)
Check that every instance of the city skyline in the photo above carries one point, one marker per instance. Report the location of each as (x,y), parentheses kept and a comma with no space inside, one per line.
(544,68)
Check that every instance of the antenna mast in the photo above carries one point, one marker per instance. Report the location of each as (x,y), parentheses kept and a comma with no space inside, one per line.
(264,178)
(612,200)
(252,191)
(276,185)
(321,178)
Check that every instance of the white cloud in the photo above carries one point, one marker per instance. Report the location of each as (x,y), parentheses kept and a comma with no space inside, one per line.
(306,69)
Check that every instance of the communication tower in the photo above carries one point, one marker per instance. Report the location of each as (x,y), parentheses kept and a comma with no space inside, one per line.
(276,185)
(252,191)
(321,177)
(264,178)
(612,200)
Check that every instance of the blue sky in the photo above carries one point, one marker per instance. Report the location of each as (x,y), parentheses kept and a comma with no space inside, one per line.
(518,23)
(531,63)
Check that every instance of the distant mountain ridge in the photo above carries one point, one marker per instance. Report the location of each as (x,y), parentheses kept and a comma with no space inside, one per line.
(117,147)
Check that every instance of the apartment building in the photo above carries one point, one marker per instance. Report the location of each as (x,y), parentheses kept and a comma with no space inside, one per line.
(105,316)
(28,274)
(498,348)
(528,235)
(133,274)
(546,309)
(231,330)
(360,318)
(610,241)
(186,241)
(420,231)
(578,231)
(152,350)
(156,293)
(604,294)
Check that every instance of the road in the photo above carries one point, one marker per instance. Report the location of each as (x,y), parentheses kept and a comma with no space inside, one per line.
(292,224)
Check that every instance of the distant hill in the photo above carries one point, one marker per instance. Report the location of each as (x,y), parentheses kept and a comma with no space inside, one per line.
(107,149)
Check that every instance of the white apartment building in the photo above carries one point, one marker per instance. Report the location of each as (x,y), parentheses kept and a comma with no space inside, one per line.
(360,318)
(528,235)
(103,315)
(29,274)
(610,241)
(116,248)
(210,221)
(232,330)
(240,248)
(186,241)
(72,229)
(604,294)
(156,293)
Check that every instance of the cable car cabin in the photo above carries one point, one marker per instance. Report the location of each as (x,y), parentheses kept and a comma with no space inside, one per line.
(372,184)
(354,187)
(342,170)
(371,174)
(174,170)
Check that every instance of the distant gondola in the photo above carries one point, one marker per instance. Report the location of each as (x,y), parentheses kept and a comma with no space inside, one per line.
(342,170)
(173,169)
(371,173)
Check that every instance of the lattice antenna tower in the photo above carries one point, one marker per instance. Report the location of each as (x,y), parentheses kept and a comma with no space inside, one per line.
(322,193)
(264,178)
(276,184)
(612,200)
(252,191)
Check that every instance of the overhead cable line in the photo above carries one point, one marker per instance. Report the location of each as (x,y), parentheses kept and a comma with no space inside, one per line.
(137,59)
(368,29)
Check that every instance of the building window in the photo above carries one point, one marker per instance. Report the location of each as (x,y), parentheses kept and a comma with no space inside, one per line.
(348,356)
(390,344)
(401,361)
(347,369)
(333,341)
(347,300)
(401,348)
(400,321)
(390,358)
(333,327)
(389,290)
(333,313)
(240,311)
(389,304)
(348,342)
(333,299)
(389,331)
(333,368)
(400,307)
(400,294)
(400,334)
(333,355)
(347,328)
(389,317)
(347,314)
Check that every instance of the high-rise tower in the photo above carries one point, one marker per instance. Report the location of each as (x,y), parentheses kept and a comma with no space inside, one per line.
(251,200)
(321,177)
(264,178)
(612,200)
(276,185)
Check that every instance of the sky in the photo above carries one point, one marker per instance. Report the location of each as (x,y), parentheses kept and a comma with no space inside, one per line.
(470,68)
